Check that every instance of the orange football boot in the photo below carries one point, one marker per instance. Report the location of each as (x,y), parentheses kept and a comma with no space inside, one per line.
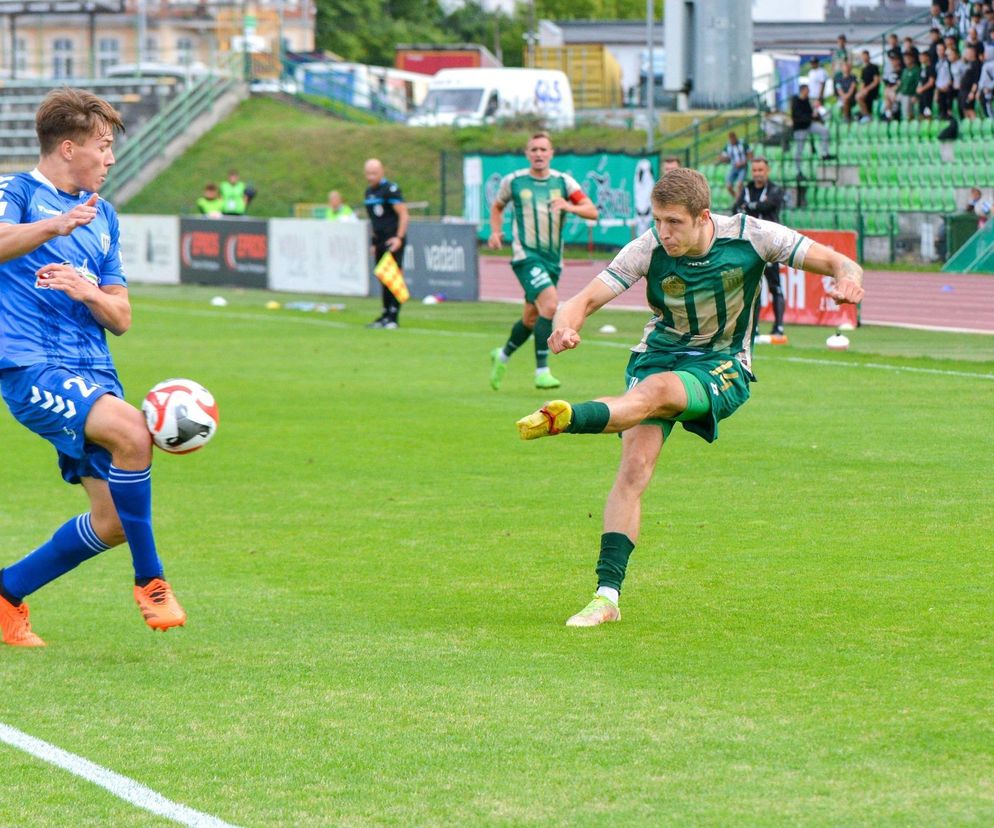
(15,626)
(159,606)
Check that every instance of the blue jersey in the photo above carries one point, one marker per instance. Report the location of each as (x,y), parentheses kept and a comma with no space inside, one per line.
(38,325)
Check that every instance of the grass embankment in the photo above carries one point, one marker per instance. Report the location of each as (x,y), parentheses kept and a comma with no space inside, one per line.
(293,156)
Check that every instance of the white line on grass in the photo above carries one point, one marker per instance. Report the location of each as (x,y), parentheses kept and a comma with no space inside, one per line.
(328,323)
(121,786)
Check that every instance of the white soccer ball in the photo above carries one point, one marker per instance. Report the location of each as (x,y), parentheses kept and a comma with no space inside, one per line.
(219,302)
(181,415)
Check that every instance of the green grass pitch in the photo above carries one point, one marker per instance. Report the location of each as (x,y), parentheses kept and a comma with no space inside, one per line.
(377,572)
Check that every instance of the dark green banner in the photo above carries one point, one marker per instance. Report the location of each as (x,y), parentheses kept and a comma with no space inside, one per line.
(620,184)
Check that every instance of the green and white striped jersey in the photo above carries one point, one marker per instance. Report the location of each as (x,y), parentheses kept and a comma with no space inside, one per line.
(705,304)
(537,230)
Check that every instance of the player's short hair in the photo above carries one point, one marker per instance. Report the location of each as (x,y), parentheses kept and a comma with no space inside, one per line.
(760,159)
(540,134)
(68,114)
(685,188)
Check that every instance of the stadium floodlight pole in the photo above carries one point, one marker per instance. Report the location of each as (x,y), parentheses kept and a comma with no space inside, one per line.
(142,35)
(650,79)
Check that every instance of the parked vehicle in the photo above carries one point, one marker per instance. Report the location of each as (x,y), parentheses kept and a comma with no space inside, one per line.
(471,97)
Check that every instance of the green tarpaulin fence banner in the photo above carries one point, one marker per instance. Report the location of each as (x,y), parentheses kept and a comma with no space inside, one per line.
(620,184)
(977,255)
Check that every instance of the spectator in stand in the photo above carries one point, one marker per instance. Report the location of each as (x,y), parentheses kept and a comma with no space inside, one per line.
(951,30)
(906,87)
(870,88)
(892,78)
(909,47)
(925,90)
(978,205)
(986,27)
(934,42)
(210,204)
(840,55)
(845,90)
(943,84)
(737,155)
(985,86)
(893,46)
(961,13)
(935,19)
(957,66)
(806,121)
(817,80)
(973,41)
(969,83)
(671,162)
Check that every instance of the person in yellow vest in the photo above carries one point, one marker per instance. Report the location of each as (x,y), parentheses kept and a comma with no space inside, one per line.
(236,195)
(338,210)
(210,204)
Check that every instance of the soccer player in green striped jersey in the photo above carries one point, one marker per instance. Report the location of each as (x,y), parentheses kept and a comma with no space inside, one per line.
(702,275)
(540,197)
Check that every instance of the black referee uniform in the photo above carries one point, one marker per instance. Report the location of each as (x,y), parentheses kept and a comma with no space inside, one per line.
(380,206)
(765,203)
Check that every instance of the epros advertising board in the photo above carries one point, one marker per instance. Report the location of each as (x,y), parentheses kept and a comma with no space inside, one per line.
(224,252)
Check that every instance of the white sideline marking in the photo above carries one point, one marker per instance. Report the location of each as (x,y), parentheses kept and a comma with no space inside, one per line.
(121,786)
(328,323)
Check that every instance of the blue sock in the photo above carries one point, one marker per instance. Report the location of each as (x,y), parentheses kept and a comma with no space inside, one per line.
(132,495)
(73,542)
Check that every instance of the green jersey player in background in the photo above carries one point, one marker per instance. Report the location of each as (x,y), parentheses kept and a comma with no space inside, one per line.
(702,275)
(541,197)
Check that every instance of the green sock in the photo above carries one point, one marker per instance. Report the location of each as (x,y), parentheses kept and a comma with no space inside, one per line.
(589,418)
(615,551)
(543,330)
(519,336)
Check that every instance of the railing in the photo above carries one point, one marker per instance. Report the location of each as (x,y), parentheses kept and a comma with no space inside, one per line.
(174,119)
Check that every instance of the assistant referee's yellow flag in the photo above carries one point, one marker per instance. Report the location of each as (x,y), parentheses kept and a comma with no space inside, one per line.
(389,273)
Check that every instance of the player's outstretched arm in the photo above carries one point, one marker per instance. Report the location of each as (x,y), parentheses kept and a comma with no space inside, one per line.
(571,315)
(18,239)
(848,275)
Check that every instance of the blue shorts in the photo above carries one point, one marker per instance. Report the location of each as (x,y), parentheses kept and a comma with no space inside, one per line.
(736,175)
(54,403)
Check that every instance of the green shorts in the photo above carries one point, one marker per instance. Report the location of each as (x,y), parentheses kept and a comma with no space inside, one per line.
(721,375)
(535,275)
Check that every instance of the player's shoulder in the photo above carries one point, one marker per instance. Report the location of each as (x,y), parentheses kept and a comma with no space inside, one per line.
(22,182)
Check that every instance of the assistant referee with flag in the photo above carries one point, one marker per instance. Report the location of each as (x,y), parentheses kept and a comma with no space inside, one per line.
(388,216)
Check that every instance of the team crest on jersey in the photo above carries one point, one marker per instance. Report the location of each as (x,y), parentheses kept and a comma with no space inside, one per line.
(525,195)
(732,279)
(674,286)
(105,242)
(84,272)
(555,194)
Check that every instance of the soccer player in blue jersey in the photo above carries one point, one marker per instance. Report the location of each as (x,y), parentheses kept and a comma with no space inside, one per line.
(61,288)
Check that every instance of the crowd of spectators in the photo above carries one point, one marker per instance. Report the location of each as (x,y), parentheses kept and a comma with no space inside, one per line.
(947,74)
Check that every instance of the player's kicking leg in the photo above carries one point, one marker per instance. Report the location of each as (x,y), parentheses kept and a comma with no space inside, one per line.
(124,504)
(662,396)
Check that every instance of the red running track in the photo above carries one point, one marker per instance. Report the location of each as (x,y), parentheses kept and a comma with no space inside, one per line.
(945,301)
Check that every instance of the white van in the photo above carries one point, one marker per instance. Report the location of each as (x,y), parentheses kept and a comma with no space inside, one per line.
(470,97)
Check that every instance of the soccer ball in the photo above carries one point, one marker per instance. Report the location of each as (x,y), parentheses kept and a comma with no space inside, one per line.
(181,415)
